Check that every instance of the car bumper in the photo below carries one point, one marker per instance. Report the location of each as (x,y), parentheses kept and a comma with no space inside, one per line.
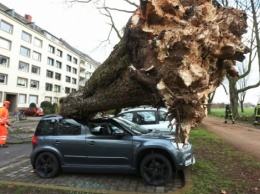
(185,156)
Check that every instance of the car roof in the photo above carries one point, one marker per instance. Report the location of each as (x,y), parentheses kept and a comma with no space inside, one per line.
(142,109)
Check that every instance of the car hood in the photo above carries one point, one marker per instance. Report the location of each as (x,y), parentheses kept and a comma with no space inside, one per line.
(159,135)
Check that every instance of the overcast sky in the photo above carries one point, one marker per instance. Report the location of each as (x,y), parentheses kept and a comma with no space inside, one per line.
(84,28)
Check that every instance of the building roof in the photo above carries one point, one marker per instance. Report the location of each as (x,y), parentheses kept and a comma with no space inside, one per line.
(33,26)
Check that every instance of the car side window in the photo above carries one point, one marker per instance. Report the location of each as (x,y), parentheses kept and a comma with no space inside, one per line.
(163,116)
(102,128)
(69,127)
(145,117)
(128,116)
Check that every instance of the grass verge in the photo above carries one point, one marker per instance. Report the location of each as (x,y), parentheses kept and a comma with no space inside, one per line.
(221,168)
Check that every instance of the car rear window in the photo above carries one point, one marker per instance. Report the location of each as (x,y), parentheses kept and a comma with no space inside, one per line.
(46,127)
(55,127)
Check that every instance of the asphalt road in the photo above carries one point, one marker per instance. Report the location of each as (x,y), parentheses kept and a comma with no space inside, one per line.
(14,153)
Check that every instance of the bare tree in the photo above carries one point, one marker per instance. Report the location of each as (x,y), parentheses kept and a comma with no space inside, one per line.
(236,91)
(242,83)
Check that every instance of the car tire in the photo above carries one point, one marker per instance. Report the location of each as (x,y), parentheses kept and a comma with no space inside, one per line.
(156,169)
(47,165)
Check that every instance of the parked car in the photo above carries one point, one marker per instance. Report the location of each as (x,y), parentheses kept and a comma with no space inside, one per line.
(149,117)
(33,111)
(106,145)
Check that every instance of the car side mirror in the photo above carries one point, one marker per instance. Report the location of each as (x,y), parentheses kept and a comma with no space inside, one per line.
(118,132)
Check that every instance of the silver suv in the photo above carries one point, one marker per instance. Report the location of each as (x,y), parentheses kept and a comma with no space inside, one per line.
(113,145)
(150,118)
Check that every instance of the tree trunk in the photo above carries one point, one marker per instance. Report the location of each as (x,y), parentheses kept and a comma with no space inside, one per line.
(233,96)
(242,106)
(173,54)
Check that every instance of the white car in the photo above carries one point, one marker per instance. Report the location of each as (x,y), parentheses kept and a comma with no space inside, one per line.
(152,119)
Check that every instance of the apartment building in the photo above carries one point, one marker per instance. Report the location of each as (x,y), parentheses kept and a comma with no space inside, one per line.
(35,65)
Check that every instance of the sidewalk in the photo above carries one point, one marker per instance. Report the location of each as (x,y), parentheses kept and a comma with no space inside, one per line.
(21,132)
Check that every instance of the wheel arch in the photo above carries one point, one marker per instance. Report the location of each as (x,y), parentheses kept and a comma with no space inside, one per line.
(145,152)
(36,155)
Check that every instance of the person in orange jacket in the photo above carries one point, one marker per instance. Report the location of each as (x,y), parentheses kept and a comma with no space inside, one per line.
(4,115)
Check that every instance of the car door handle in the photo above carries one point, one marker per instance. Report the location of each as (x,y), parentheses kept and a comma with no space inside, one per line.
(91,143)
(57,142)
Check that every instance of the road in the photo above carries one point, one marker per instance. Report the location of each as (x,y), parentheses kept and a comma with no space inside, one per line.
(17,151)
(245,137)
(14,153)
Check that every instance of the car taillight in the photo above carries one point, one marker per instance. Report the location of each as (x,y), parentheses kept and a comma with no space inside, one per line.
(34,140)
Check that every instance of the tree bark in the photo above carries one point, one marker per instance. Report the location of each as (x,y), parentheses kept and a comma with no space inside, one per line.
(173,54)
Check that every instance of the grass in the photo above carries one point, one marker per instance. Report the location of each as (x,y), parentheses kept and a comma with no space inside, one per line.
(220,112)
(221,168)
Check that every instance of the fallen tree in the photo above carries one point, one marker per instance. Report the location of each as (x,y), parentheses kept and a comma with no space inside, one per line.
(173,54)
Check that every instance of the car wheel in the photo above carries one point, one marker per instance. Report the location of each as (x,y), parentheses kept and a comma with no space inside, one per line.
(155,169)
(47,165)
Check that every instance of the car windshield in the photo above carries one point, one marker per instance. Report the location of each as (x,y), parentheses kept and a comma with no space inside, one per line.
(137,129)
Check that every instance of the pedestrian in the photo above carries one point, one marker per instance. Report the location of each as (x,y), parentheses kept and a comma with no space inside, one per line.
(257,113)
(4,115)
(228,114)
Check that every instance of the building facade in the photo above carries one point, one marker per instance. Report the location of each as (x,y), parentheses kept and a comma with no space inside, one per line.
(35,65)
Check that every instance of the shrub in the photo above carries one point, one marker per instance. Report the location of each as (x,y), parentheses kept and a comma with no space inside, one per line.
(47,107)
(55,108)
(32,105)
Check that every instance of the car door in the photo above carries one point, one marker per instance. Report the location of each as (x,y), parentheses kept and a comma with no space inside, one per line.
(70,141)
(107,149)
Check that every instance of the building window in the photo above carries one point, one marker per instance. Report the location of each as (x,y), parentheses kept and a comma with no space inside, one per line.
(49,74)
(56,88)
(69,58)
(1,96)
(89,66)
(35,70)
(6,27)
(4,61)
(37,42)
(74,70)
(51,49)
(23,67)
(48,87)
(67,90)
(58,64)
(22,98)
(27,37)
(73,90)
(59,53)
(22,82)
(34,84)
(75,61)
(74,81)
(3,78)
(57,76)
(25,51)
(55,100)
(50,61)
(6,44)
(68,79)
(88,75)
(36,56)
(47,98)
(68,68)
(33,99)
